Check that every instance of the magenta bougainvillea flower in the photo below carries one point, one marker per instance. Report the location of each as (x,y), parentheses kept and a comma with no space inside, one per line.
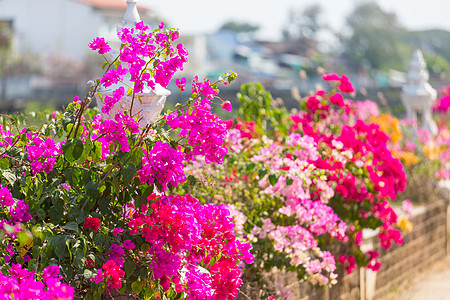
(93,223)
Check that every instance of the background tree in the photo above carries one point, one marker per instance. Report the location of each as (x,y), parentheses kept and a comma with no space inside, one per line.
(240,27)
(304,23)
(304,26)
(6,36)
(374,41)
(435,44)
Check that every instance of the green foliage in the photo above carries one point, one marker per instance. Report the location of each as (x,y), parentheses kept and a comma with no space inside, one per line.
(256,106)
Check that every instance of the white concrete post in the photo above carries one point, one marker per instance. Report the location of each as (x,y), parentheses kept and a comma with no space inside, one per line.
(131,15)
(418,95)
(151,102)
(368,278)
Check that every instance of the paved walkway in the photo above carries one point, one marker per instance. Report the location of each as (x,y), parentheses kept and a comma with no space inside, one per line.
(433,284)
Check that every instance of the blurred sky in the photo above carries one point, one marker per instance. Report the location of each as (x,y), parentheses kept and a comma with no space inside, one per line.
(202,16)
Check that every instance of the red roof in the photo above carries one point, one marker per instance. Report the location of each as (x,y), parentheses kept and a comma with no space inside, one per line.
(109,4)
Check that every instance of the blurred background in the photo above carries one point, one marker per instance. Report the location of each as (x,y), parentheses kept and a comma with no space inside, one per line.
(285,44)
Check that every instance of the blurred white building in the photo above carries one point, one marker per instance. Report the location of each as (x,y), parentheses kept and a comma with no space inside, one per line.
(61,27)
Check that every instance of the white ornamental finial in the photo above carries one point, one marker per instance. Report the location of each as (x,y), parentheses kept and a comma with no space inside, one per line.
(418,72)
(131,15)
(151,101)
(418,95)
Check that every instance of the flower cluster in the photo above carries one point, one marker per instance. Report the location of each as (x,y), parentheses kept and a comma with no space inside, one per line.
(146,58)
(85,183)
(204,131)
(111,273)
(22,284)
(442,104)
(184,239)
(93,223)
(114,132)
(365,174)
(42,154)
(163,165)
(17,211)
(306,186)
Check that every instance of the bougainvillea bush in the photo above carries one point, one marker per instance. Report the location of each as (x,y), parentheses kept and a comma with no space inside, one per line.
(86,208)
(303,186)
(425,155)
(439,146)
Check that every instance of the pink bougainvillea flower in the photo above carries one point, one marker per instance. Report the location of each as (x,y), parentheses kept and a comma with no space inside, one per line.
(330,77)
(117,231)
(113,273)
(408,207)
(227,105)
(181,83)
(337,99)
(6,199)
(100,45)
(345,85)
(374,265)
(358,238)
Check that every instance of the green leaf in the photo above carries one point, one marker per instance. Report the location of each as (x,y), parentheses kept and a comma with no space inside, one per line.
(273,179)
(82,217)
(104,204)
(136,287)
(289,181)
(73,149)
(71,226)
(77,148)
(192,179)
(97,296)
(39,188)
(86,150)
(145,247)
(129,268)
(41,213)
(96,151)
(128,173)
(122,289)
(148,191)
(89,296)
(78,257)
(250,166)
(141,200)
(100,240)
(262,173)
(4,163)
(25,237)
(59,246)
(56,214)
(116,185)
(92,189)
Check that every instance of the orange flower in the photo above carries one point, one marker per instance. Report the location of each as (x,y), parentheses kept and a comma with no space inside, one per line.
(404,224)
(431,150)
(408,158)
(389,125)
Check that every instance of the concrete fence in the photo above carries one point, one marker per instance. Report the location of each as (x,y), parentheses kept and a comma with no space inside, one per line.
(424,246)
